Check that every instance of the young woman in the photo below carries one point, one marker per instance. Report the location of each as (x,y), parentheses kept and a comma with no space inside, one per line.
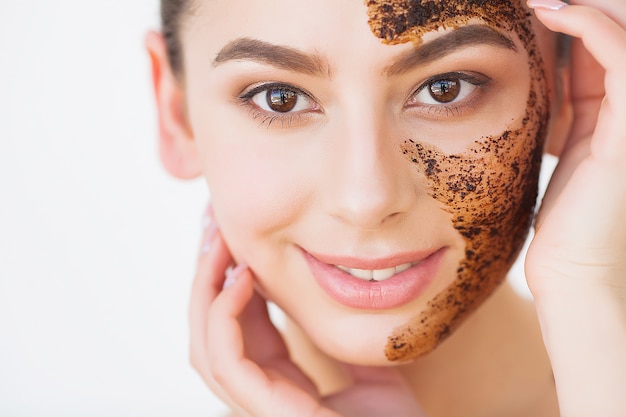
(373,170)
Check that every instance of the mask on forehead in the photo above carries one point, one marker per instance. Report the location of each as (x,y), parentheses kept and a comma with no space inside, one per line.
(403,21)
(490,188)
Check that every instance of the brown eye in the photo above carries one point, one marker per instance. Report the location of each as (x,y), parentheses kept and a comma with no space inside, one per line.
(445,91)
(449,91)
(281,100)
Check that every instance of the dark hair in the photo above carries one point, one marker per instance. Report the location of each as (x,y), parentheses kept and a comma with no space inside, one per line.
(172,13)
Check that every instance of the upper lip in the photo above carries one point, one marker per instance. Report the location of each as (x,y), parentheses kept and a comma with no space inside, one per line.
(374,263)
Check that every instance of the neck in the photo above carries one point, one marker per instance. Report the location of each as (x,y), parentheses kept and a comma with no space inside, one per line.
(493,364)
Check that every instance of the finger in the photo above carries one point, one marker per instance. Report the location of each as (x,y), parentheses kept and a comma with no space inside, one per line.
(212,339)
(263,339)
(371,375)
(265,345)
(248,385)
(615,9)
(603,37)
(266,342)
(376,391)
(207,217)
(606,41)
(213,261)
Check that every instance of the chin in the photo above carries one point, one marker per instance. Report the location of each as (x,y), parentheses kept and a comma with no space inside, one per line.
(356,338)
(359,335)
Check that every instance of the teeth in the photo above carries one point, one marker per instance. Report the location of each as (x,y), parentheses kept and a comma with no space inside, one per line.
(362,274)
(404,267)
(383,274)
(376,274)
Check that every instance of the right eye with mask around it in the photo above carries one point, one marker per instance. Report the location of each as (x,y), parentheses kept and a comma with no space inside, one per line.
(445,89)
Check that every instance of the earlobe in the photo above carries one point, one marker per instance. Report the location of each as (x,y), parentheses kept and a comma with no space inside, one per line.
(562,113)
(177,147)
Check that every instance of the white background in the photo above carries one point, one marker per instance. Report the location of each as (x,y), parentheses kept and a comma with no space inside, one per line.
(97,243)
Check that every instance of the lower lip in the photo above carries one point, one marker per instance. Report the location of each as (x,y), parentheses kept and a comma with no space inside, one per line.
(375,295)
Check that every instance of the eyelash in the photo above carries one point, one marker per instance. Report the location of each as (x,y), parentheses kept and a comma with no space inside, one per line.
(246,99)
(479,81)
(289,118)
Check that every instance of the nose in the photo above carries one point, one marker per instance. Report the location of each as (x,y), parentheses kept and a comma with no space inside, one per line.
(371,181)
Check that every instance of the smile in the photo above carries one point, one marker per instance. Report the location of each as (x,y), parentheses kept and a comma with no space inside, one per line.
(375,284)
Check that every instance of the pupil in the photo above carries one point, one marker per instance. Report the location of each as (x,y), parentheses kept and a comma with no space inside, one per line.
(444,91)
(281,99)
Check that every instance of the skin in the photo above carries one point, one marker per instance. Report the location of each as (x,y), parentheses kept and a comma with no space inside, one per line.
(490,189)
(330,172)
(258,377)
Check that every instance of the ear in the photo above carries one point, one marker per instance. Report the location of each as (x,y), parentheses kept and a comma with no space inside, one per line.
(177,147)
(562,113)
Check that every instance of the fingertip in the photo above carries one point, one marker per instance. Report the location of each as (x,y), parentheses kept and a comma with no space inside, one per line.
(213,260)
(237,290)
(234,274)
(209,236)
(551,5)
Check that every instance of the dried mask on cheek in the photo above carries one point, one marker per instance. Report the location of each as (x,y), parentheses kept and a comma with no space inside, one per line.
(490,189)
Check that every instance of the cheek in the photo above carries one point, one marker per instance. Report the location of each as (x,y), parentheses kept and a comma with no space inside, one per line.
(255,190)
(490,192)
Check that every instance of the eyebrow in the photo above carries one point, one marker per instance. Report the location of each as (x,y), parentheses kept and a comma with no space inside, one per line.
(278,56)
(448,43)
(291,59)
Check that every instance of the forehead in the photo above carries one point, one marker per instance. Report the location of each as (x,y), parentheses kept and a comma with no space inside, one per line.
(389,19)
(346,25)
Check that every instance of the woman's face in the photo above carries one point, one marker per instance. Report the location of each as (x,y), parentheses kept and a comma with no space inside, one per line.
(375,168)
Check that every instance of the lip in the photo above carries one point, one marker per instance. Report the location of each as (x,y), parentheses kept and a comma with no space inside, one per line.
(375,295)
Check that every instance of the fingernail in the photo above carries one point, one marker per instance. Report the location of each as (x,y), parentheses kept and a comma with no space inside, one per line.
(207,217)
(546,4)
(209,234)
(233,273)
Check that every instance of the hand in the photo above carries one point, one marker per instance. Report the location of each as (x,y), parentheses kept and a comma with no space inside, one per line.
(587,92)
(580,230)
(576,265)
(588,75)
(243,358)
